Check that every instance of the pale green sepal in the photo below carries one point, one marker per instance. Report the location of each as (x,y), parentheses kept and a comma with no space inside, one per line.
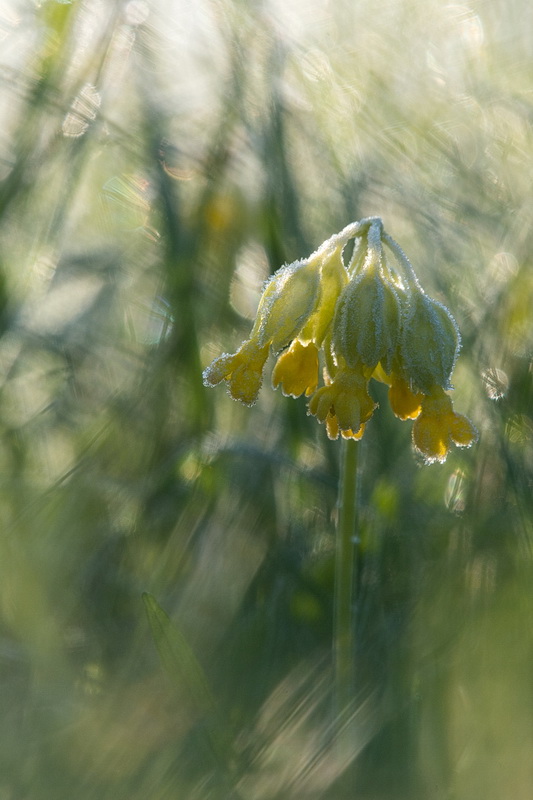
(430,343)
(288,300)
(367,321)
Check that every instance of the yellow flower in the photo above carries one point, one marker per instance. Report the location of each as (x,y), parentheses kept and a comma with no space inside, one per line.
(297,369)
(368,319)
(332,429)
(404,403)
(438,426)
(242,370)
(346,398)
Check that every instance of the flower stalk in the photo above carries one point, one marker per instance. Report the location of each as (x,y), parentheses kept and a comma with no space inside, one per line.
(346,564)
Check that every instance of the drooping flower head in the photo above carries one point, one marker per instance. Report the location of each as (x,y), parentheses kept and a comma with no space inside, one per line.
(296,309)
(367,319)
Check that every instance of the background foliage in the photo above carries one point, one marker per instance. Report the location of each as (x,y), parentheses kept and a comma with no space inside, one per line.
(157,161)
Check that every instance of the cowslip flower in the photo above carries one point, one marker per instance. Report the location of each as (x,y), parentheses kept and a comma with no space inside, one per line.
(242,370)
(296,369)
(346,398)
(438,426)
(366,320)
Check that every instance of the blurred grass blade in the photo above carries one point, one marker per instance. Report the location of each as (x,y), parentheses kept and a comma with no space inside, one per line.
(177,657)
(183,668)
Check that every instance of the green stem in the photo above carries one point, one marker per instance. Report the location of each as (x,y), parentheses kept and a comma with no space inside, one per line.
(345,569)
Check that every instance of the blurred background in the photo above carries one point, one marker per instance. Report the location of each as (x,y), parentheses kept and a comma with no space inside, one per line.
(158,160)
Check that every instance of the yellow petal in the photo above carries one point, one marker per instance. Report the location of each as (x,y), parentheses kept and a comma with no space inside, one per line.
(297,370)
(462,431)
(431,437)
(404,403)
(321,402)
(244,384)
(347,398)
(243,370)
(332,426)
(348,411)
(219,369)
(351,435)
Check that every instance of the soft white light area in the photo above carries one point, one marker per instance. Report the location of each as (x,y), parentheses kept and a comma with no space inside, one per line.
(61,305)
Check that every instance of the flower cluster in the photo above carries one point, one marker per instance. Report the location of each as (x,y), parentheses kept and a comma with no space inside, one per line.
(368,319)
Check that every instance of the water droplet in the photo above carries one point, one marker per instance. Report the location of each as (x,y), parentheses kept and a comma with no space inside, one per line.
(454,496)
(496,383)
(82,112)
(519,429)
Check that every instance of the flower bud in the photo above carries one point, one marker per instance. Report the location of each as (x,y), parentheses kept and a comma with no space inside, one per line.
(367,320)
(430,343)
